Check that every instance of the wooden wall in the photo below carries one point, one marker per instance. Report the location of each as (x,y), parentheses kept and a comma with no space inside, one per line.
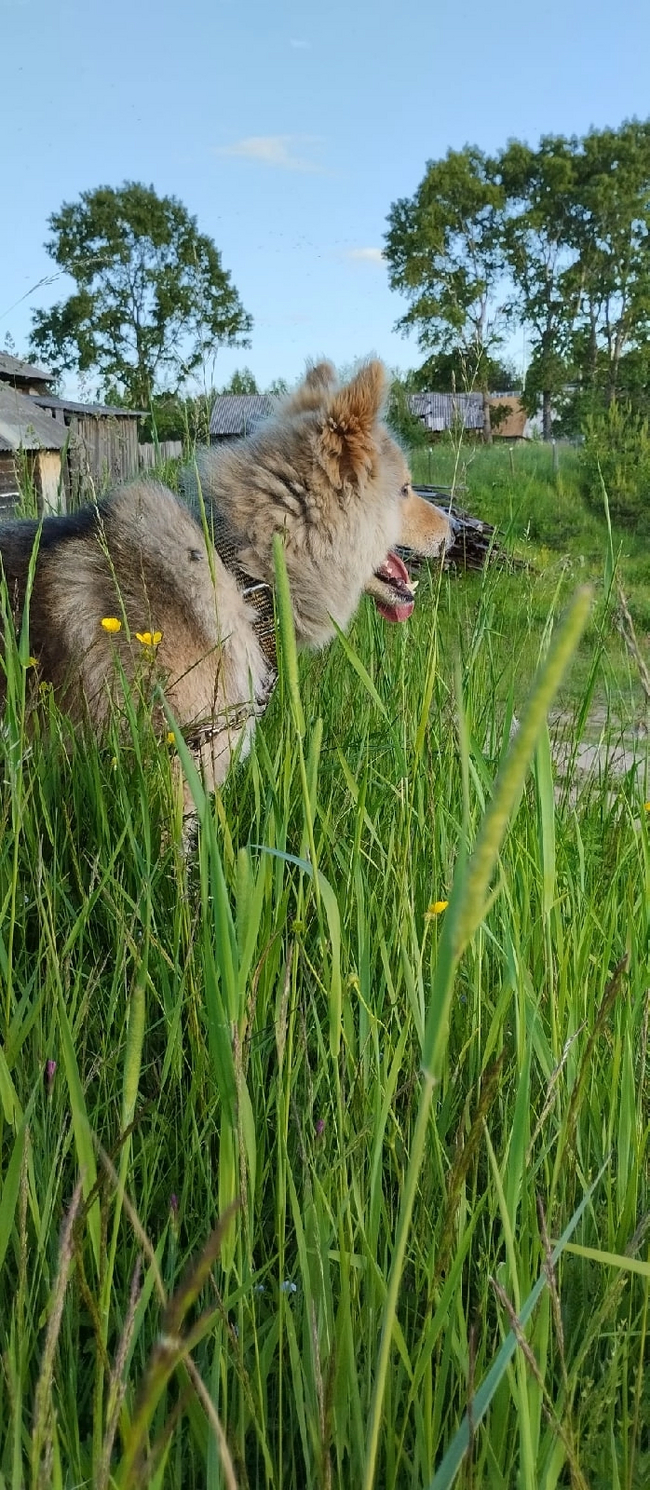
(153,455)
(9,493)
(101,453)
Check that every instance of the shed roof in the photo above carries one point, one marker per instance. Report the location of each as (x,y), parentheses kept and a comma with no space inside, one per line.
(24,426)
(86,411)
(440,411)
(239,413)
(14,367)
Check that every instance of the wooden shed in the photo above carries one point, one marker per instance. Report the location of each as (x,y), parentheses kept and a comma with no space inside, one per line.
(102,448)
(31,447)
(99,442)
(25,376)
(514,425)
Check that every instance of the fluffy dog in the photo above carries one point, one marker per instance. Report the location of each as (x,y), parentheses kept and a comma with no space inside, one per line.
(133,587)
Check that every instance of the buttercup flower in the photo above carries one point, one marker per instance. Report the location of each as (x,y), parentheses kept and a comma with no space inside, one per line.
(171,738)
(111,623)
(149,638)
(437,907)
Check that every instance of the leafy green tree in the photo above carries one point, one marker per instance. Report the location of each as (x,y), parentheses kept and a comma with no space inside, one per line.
(152,301)
(448,372)
(610,233)
(403,423)
(616,455)
(242,381)
(444,252)
(539,187)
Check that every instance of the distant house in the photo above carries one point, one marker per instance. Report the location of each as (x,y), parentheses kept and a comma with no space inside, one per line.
(442,412)
(516,424)
(237,414)
(97,445)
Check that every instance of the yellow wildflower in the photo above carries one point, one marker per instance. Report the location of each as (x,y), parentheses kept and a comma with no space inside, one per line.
(32,662)
(149,638)
(171,738)
(437,907)
(111,623)
(646,806)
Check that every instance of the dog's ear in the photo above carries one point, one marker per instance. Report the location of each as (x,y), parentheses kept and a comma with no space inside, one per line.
(321,375)
(349,435)
(312,393)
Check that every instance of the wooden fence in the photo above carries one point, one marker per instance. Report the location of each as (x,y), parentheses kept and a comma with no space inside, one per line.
(154,455)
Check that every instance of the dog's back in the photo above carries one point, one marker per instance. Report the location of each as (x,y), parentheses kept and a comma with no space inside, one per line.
(138,561)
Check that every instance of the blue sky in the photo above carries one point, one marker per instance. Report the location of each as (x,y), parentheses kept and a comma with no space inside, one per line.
(288,130)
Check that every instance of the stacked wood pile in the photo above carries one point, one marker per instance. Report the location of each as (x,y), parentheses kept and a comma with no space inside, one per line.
(475,543)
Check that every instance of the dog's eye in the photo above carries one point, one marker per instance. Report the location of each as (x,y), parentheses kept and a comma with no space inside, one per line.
(405,489)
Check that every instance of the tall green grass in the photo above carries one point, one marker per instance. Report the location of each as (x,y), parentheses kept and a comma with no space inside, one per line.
(288,1209)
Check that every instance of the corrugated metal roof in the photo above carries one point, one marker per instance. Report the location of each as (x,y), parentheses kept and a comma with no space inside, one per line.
(24,426)
(240,413)
(88,411)
(14,367)
(441,411)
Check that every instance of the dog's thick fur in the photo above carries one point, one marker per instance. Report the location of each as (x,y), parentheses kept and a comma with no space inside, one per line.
(324,473)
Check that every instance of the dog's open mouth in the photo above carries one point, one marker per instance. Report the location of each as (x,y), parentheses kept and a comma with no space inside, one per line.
(393,598)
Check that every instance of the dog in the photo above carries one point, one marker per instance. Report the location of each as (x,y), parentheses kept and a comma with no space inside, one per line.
(140,587)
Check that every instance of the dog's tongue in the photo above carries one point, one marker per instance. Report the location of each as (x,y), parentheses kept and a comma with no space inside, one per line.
(395,573)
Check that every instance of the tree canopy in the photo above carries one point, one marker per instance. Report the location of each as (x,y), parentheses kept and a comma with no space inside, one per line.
(555,239)
(444,251)
(152,302)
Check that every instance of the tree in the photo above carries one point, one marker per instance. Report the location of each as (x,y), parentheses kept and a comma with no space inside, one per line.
(152,300)
(242,381)
(539,188)
(401,420)
(448,372)
(278,388)
(610,233)
(444,252)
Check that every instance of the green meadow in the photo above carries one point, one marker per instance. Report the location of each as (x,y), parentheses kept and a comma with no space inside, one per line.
(324,1150)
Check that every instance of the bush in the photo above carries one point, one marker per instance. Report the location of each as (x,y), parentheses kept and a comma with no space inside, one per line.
(616,452)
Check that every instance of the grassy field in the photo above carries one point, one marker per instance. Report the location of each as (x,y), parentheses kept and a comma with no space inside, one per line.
(390,1025)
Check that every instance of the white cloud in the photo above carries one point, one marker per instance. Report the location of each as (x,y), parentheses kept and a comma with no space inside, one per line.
(366,255)
(271,150)
(299,44)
